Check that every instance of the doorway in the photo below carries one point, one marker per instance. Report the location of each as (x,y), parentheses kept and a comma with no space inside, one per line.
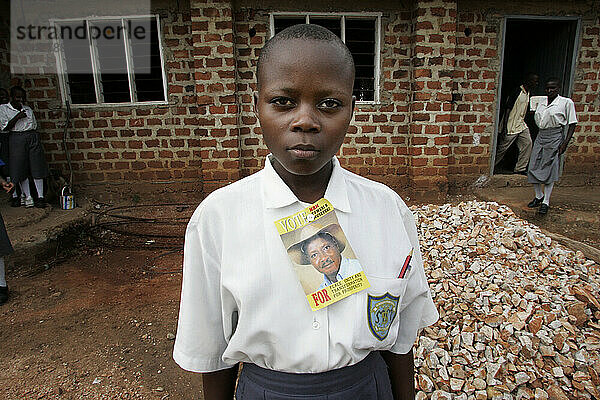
(544,46)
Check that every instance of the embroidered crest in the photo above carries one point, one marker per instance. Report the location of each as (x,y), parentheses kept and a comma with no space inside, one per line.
(381,311)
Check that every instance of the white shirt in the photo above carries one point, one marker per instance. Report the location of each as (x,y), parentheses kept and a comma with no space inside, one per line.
(559,113)
(236,271)
(516,117)
(348,267)
(7,112)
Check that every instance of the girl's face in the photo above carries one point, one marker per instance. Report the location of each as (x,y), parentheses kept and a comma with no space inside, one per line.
(551,90)
(304,105)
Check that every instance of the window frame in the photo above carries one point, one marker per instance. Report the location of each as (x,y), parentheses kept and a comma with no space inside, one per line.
(61,60)
(355,15)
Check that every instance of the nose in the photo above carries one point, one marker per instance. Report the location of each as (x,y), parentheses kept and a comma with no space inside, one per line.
(322,258)
(306,120)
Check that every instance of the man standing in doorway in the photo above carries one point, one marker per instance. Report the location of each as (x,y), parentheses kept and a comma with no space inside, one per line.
(513,126)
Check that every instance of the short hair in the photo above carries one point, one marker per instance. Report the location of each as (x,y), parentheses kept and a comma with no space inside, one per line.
(15,89)
(553,79)
(303,32)
(530,75)
(323,235)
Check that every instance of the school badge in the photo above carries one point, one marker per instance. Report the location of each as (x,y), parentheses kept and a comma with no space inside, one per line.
(381,313)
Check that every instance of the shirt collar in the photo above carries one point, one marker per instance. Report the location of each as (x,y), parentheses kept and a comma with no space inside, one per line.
(11,106)
(277,194)
(555,102)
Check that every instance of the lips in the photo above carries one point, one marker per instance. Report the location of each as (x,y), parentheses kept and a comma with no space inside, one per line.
(303,151)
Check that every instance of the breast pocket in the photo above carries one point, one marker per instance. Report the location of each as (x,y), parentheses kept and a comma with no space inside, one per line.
(377,308)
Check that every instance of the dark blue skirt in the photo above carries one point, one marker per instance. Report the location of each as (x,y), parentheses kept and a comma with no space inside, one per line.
(26,156)
(366,380)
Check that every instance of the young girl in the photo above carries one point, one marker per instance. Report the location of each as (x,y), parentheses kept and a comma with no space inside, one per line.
(241,300)
(557,120)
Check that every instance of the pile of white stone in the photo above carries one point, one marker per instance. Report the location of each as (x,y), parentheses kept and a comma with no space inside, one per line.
(519,313)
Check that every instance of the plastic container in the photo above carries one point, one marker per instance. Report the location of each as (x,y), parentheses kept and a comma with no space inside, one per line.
(67,200)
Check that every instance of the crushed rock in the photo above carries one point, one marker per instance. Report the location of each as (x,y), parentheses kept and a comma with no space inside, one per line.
(519,313)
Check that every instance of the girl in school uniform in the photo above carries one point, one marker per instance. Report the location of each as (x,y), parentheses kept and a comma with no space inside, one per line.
(241,302)
(556,119)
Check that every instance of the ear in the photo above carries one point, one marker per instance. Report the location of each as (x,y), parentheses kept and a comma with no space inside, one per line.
(255,105)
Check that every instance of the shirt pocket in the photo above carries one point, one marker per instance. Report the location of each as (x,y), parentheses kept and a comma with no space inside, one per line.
(377,309)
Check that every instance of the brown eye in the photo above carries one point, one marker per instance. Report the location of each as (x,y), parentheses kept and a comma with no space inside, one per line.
(282,102)
(329,104)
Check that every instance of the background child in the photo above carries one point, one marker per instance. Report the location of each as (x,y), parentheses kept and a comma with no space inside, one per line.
(26,156)
(241,300)
(557,120)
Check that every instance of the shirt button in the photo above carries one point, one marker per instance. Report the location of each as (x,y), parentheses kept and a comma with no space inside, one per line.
(316,325)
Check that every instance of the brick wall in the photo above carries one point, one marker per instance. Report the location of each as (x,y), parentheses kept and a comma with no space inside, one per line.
(4,50)
(476,76)
(433,63)
(214,61)
(583,155)
(251,29)
(433,128)
(419,135)
(128,143)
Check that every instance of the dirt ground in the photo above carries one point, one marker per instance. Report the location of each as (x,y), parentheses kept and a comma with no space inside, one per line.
(99,323)
(94,327)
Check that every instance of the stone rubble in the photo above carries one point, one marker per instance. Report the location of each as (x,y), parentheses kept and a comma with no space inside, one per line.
(519,313)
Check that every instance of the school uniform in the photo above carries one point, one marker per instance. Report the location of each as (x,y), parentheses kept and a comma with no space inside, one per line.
(26,154)
(241,300)
(553,120)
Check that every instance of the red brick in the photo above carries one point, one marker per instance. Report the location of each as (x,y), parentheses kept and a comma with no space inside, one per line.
(424,25)
(214,62)
(418,162)
(153,121)
(99,123)
(146,154)
(138,165)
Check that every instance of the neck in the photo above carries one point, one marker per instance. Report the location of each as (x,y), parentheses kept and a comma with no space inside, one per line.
(17,106)
(333,278)
(551,99)
(307,188)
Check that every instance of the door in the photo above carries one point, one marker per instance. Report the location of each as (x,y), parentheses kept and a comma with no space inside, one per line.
(535,45)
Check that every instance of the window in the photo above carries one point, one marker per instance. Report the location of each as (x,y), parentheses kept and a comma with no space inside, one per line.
(360,32)
(110,60)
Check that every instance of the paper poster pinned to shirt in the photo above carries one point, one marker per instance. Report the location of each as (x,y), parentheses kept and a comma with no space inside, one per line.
(323,260)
